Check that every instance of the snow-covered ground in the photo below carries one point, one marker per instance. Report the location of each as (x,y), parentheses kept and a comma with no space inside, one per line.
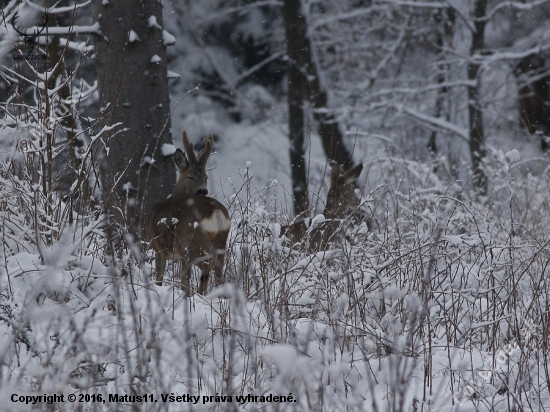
(434,302)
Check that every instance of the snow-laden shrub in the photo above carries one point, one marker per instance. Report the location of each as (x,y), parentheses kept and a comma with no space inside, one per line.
(429,298)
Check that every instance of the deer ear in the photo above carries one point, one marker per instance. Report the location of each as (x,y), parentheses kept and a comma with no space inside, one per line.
(353,174)
(180,160)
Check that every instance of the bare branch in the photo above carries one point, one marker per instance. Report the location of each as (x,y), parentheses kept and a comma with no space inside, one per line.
(437,122)
(514,5)
(58,10)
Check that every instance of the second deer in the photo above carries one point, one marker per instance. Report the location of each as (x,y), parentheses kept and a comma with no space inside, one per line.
(342,202)
(190,227)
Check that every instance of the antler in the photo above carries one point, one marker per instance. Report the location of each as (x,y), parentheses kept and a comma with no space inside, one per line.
(44,24)
(36,32)
(207,150)
(189,149)
(13,20)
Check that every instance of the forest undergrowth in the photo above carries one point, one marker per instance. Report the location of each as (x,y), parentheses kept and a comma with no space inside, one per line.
(434,298)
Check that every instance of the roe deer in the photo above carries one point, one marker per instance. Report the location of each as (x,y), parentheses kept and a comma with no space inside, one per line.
(341,203)
(189,226)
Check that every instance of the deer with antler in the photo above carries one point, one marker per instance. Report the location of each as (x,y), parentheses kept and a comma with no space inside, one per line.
(189,226)
(30,39)
(342,202)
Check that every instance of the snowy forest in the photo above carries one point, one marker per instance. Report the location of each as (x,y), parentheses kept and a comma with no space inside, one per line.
(275,205)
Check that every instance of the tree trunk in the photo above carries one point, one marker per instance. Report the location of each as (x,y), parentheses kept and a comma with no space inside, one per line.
(328,127)
(446,20)
(304,84)
(132,74)
(295,27)
(477,147)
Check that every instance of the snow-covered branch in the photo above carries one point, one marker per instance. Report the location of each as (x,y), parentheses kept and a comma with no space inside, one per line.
(361,12)
(437,122)
(93,29)
(56,10)
(241,9)
(508,55)
(419,4)
(516,6)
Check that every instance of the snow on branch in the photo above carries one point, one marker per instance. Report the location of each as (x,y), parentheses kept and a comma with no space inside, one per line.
(105,129)
(132,36)
(345,16)
(94,28)
(514,5)
(417,90)
(57,10)
(437,122)
(507,55)
(440,6)
(82,47)
(168,39)
(419,4)
(173,75)
(152,22)
(240,9)
(373,75)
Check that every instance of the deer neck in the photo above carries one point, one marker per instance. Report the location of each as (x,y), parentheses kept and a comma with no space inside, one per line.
(181,193)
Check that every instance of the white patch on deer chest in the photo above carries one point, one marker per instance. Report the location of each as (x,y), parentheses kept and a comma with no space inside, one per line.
(215,223)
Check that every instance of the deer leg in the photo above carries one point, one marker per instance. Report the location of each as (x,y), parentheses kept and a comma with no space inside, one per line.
(213,263)
(185,276)
(160,265)
(205,268)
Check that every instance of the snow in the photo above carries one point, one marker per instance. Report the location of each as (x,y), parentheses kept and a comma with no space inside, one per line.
(94,28)
(82,47)
(316,221)
(167,149)
(168,39)
(155,59)
(173,75)
(132,36)
(433,300)
(146,161)
(152,22)
(513,156)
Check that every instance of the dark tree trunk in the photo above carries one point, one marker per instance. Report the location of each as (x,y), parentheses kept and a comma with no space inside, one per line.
(133,90)
(328,127)
(304,85)
(477,146)
(295,27)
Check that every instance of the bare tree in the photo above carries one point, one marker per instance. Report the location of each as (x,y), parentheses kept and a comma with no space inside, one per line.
(295,28)
(304,85)
(132,74)
(477,135)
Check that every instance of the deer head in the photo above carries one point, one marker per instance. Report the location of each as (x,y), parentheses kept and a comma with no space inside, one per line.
(30,39)
(341,198)
(192,169)
(342,203)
